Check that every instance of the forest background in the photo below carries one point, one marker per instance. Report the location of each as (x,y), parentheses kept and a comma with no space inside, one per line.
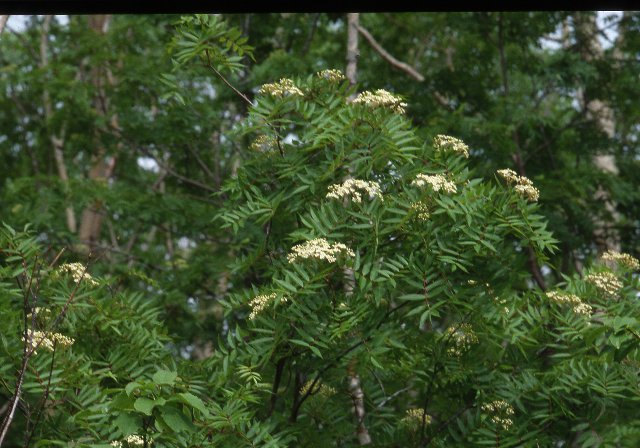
(125,146)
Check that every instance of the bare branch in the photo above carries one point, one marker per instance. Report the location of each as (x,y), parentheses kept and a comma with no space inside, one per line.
(412,72)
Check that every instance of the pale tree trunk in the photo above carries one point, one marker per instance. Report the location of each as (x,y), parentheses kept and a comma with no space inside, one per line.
(601,112)
(355,387)
(353,20)
(101,166)
(3,22)
(57,141)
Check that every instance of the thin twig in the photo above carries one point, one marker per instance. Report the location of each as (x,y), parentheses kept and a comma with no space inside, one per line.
(392,396)
(44,398)
(239,93)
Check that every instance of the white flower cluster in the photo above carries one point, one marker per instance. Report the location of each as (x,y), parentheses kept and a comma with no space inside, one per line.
(462,336)
(502,411)
(264,143)
(501,302)
(420,210)
(259,303)
(448,143)
(524,187)
(606,282)
(332,75)
(282,88)
(46,340)
(320,249)
(437,183)
(381,98)
(132,440)
(39,311)
(413,417)
(78,272)
(625,260)
(578,306)
(319,388)
(353,188)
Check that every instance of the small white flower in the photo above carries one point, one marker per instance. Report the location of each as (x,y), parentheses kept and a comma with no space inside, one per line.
(284,87)
(381,98)
(264,143)
(78,272)
(501,411)
(352,188)
(46,340)
(319,388)
(437,182)
(448,143)
(605,282)
(462,336)
(577,305)
(319,249)
(625,260)
(331,75)
(524,187)
(413,418)
(259,303)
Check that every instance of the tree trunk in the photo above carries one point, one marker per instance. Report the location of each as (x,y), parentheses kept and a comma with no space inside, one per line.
(56,141)
(353,20)
(355,387)
(102,166)
(3,22)
(587,35)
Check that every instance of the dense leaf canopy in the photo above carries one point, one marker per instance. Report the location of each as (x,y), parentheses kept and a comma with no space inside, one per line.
(213,237)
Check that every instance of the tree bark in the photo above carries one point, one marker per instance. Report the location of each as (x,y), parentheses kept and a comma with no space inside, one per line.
(3,22)
(352,47)
(355,387)
(56,141)
(586,30)
(101,166)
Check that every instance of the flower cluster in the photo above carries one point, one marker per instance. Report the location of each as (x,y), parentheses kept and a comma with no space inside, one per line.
(414,416)
(319,388)
(462,336)
(320,249)
(606,282)
(264,143)
(259,303)
(502,302)
(420,210)
(351,187)
(282,88)
(437,183)
(502,411)
(132,440)
(46,340)
(578,306)
(625,260)
(381,98)
(508,175)
(331,75)
(39,311)
(448,143)
(524,187)
(78,272)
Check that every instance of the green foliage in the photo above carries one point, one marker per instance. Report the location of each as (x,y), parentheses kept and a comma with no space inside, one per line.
(263,262)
